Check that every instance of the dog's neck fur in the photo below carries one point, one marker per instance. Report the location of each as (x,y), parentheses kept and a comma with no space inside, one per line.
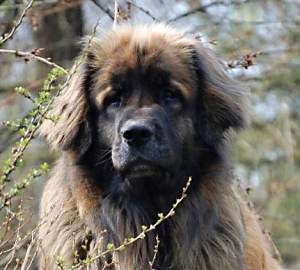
(189,240)
(205,232)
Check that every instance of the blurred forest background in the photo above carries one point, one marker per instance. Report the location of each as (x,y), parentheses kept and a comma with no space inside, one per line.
(259,42)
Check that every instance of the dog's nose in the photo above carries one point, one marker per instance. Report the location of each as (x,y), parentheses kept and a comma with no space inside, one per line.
(136,133)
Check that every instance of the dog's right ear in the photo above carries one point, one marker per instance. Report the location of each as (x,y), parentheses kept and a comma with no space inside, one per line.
(71,108)
(222,100)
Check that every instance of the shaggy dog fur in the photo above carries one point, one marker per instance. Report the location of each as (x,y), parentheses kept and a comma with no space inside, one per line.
(147,108)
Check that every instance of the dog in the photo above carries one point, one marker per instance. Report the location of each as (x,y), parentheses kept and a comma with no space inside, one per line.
(147,108)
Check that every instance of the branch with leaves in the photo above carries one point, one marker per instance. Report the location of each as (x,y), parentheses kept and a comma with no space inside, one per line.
(144,231)
(28,127)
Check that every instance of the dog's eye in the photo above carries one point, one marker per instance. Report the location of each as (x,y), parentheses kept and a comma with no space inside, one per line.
(171,97)
(113,101)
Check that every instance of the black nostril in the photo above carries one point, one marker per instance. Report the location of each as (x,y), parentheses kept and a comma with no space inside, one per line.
(137,134)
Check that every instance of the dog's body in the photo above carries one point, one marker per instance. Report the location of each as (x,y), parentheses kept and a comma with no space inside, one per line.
(148,108)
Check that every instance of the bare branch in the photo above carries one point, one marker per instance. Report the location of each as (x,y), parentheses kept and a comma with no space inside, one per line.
(33,54)
(106,10)
(17,24)
(203,8)
(116,14)
(147,12)
(22,5)
(27,254)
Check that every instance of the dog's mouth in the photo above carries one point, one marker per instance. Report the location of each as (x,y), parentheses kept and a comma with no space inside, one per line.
(142,171)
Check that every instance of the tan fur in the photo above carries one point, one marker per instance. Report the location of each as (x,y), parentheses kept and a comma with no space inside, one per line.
(60,229)
(71,196)
(258,254)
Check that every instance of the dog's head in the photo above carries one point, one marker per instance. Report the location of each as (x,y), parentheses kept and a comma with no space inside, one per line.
(147,105)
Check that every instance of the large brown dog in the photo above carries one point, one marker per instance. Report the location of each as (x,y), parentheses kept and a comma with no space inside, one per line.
(148,108)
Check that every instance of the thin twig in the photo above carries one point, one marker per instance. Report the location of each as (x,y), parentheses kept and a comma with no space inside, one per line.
(17,24)
(106,10)
(116,14)
(203,8)
(155,252)
(27,255)
(32,258)
(33,55)
(12,254)
(9,7)
(147,12)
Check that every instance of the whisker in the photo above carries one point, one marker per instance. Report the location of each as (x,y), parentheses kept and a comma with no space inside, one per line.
(103,161)
(104,155)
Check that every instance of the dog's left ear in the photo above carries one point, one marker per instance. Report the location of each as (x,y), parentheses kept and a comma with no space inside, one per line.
(72,130)
(221,100)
